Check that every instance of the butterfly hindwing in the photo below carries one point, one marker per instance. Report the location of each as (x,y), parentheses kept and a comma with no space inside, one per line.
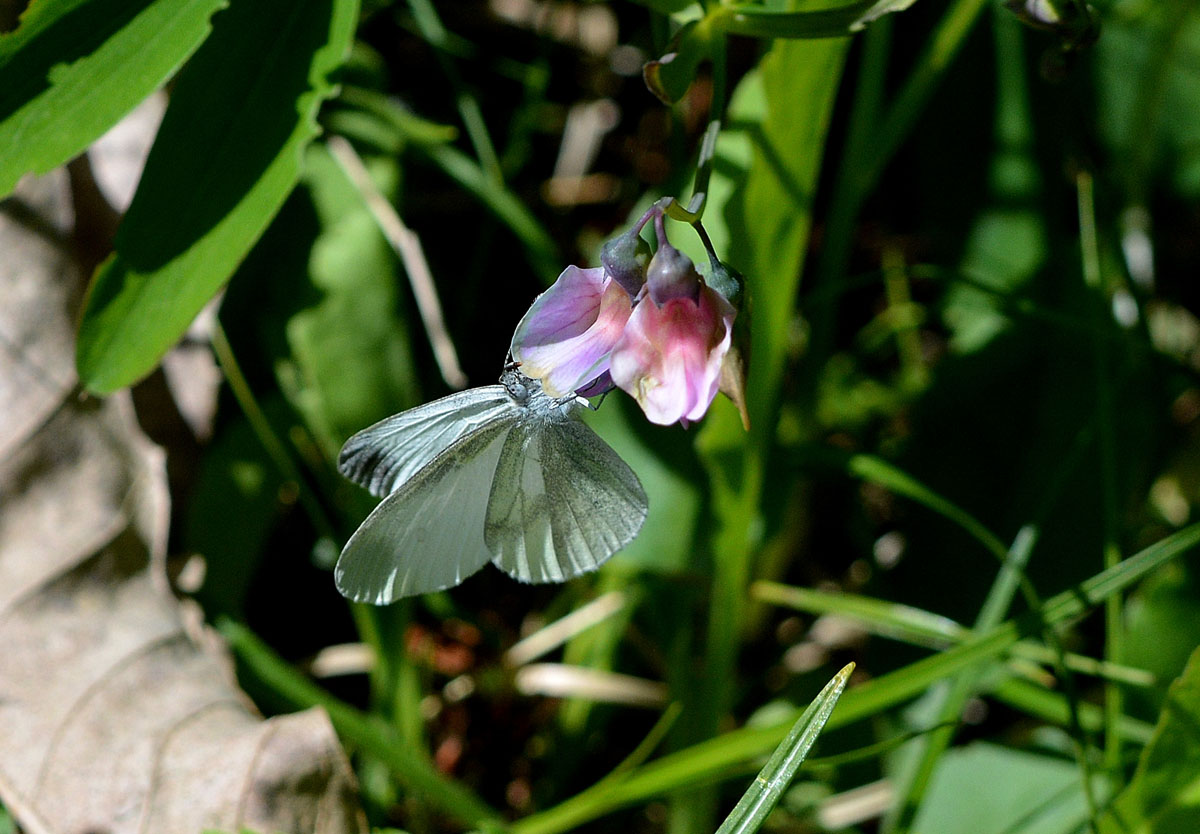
(562,502)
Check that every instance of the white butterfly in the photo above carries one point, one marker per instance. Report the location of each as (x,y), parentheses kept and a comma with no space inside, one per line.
(501,473)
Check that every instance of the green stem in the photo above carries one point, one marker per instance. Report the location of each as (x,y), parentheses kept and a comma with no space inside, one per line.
(913,781)
(1106,420)
(431,28)
(764,22)
(708,145)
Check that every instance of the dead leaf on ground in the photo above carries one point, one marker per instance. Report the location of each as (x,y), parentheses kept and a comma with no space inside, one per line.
(115,715)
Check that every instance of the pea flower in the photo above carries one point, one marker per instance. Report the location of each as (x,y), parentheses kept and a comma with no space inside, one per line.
(670,354)
(656,330)
(566,337)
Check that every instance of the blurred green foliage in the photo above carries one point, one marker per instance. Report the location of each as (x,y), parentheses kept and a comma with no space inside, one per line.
(970,250)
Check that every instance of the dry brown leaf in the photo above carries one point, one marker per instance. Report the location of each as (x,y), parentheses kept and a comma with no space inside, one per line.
(113,716)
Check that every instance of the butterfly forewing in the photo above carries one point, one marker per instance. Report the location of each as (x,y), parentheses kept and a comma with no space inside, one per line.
(428,534)
(386,455)
(562,502)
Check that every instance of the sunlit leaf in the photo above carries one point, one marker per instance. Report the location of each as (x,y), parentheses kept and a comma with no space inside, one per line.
(73,69)
(227,155)
(988,789)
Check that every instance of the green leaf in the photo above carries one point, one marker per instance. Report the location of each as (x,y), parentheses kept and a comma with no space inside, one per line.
(1162,626)
(769,217)
(1164,794)
(763,794)
(73,69)
(226,157)
(764,22)
(988,789)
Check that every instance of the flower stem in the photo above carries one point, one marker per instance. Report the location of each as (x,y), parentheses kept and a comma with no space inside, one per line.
(708,145)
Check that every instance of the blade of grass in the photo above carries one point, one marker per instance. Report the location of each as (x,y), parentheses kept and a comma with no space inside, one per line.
(279,453)
(1052,707)
(763,794)
(919,627)
(889,619)
(880,472)
(708,761)
(912,782)
(368,733)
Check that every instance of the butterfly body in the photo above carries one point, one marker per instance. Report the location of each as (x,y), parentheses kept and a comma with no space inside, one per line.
(501,473)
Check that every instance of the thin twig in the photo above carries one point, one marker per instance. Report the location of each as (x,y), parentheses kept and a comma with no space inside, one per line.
(547,639)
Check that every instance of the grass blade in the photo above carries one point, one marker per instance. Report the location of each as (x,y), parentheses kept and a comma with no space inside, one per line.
(763,794)
(710,760)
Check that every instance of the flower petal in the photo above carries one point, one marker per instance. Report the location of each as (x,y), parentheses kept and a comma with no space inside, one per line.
(669,357)
(565,338)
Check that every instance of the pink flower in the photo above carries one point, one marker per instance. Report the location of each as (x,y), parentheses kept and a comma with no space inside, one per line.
(566,338)
(670,354)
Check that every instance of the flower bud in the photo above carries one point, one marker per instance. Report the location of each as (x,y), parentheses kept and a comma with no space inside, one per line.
(625,258)
(671,274)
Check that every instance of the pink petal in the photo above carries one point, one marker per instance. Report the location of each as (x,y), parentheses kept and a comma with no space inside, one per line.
(565,338)
(669,357)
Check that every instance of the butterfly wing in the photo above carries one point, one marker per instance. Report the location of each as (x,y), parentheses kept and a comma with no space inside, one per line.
(562,502)
(428,534)
(385,456)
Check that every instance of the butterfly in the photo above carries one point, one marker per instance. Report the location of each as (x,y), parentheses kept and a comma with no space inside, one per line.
(502,473)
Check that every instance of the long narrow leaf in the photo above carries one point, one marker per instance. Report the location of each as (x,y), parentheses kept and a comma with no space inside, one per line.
(227,155)
(73,69)
(763,794)
(709,760)
(919,627)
